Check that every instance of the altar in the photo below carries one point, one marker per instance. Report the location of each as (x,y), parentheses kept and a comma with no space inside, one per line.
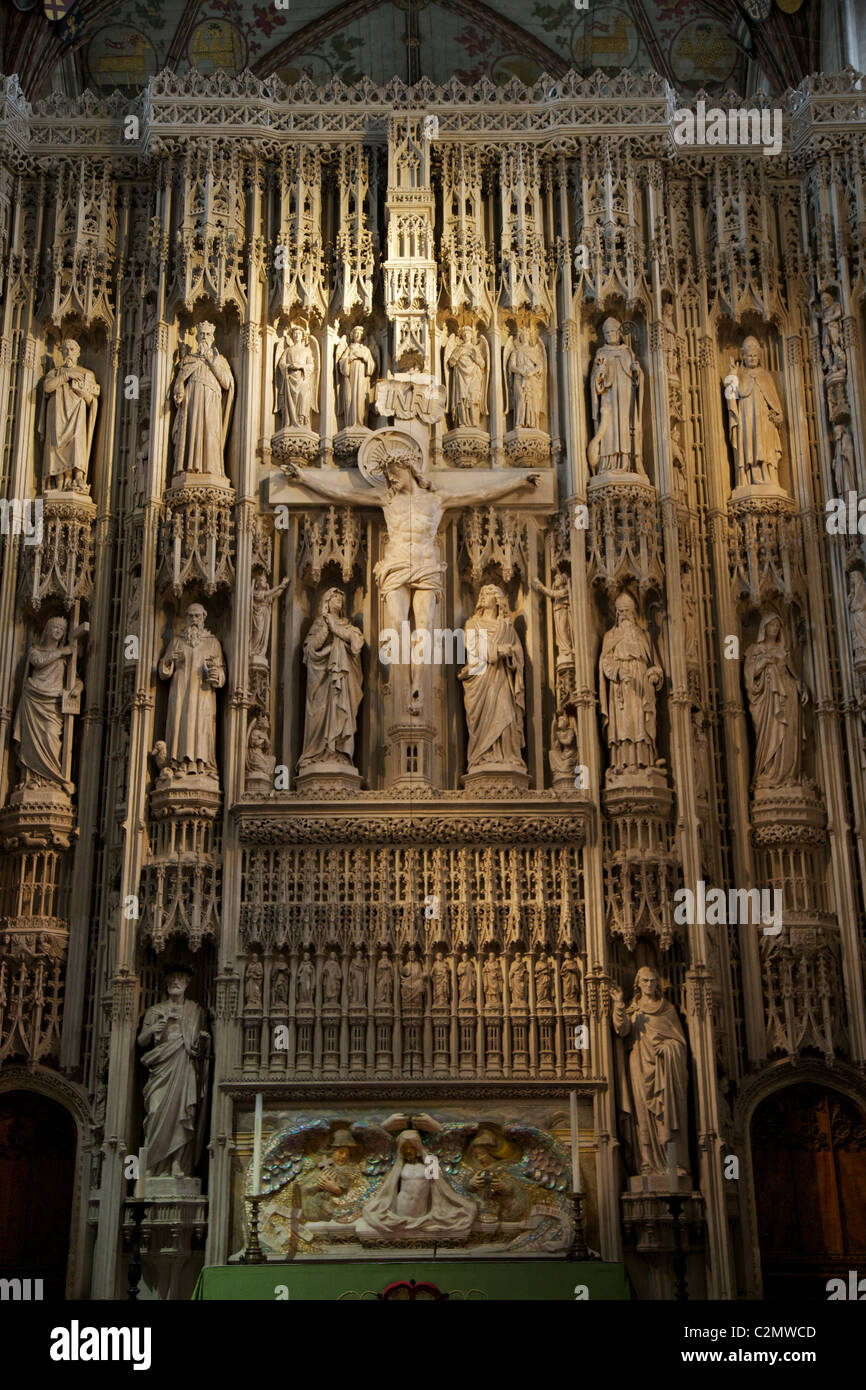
(511,1280)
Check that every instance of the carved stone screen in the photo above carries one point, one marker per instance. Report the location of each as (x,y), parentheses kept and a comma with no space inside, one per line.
(433,699)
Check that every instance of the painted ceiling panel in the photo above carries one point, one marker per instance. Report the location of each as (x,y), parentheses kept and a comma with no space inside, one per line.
(106,44)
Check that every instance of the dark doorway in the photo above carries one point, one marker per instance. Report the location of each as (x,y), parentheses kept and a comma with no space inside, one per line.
(37,1170)
(809,1155)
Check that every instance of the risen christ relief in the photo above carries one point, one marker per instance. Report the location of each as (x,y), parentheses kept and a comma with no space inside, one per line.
(410,573)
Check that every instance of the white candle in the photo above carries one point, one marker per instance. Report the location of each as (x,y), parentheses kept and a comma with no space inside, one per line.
(257,1146)
(138,1191)
(575,1143)
(672,1164)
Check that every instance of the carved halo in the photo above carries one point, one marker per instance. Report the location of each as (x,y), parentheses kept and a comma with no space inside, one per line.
(382,446)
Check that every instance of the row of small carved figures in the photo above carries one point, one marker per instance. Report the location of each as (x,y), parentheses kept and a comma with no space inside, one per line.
(516,983)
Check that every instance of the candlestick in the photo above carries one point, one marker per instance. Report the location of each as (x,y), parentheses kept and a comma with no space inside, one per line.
(138,1191)
(257,1147)
(672,1164)
(575,1143)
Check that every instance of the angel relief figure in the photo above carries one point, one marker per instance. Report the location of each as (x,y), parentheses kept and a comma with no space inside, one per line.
(466,359)
(296,379)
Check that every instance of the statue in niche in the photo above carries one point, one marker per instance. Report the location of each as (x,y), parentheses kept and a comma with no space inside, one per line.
(655,1090)
(776,698)
(67,420)
(260,617)
(280,986)
(253,980)
(296,379)
(260,761)
(493,685)
(203,392)
(440,974)
(518,982)
(332,1177)
(332,980)
(355,366)
(844,467)
(832,334)
(358,980)
(616,394)
(559,594)
(466,982)
(38,726)
(410,572)
(544,979)
(411,983)
(467,372)
(384,982)
(194,665)
(524,367)
(563,746)
(754,418)
(857,611)
(332,656)
(415,1201)
(306,980)
(629,676)
(175,1092)
(491,980)
(569,972)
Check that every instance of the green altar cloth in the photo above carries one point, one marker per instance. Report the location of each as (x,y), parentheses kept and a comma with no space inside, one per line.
(348,1280)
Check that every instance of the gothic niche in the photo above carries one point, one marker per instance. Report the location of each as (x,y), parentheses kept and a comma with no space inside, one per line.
(297,368)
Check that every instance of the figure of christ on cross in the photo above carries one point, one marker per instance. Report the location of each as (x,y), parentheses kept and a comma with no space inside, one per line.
(410,572)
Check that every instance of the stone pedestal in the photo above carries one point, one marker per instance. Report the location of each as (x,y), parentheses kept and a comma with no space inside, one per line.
(495,779)
(328,779)
(526,448)
(347,443)
(295,446)
(467,448)
(186,794)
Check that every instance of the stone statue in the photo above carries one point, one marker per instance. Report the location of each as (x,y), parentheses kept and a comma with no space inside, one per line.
(38,726)
(332,655)
(332,1177)
(754,418)
(488,1159)
(355,367)
(493,685)
(253,977)
(616,394)
(563,747)
(260,618)
(629,676)
(176,1090)
(306,980)
(524,365)
(296,379)
(332,980)
(518,982)
(857,611)
(358,981)
(776,698)
(204,389)
(569,972)
(411,983)
(466,982)
(467,373)
(410,572)
(67,420)
(384,982)
(491,979)
(280,986)
(844,467)
(832,334)
(415,1201)
(544,979)
(260,761)
(560,595)
(440,974)
(654,1092)
(194,664)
